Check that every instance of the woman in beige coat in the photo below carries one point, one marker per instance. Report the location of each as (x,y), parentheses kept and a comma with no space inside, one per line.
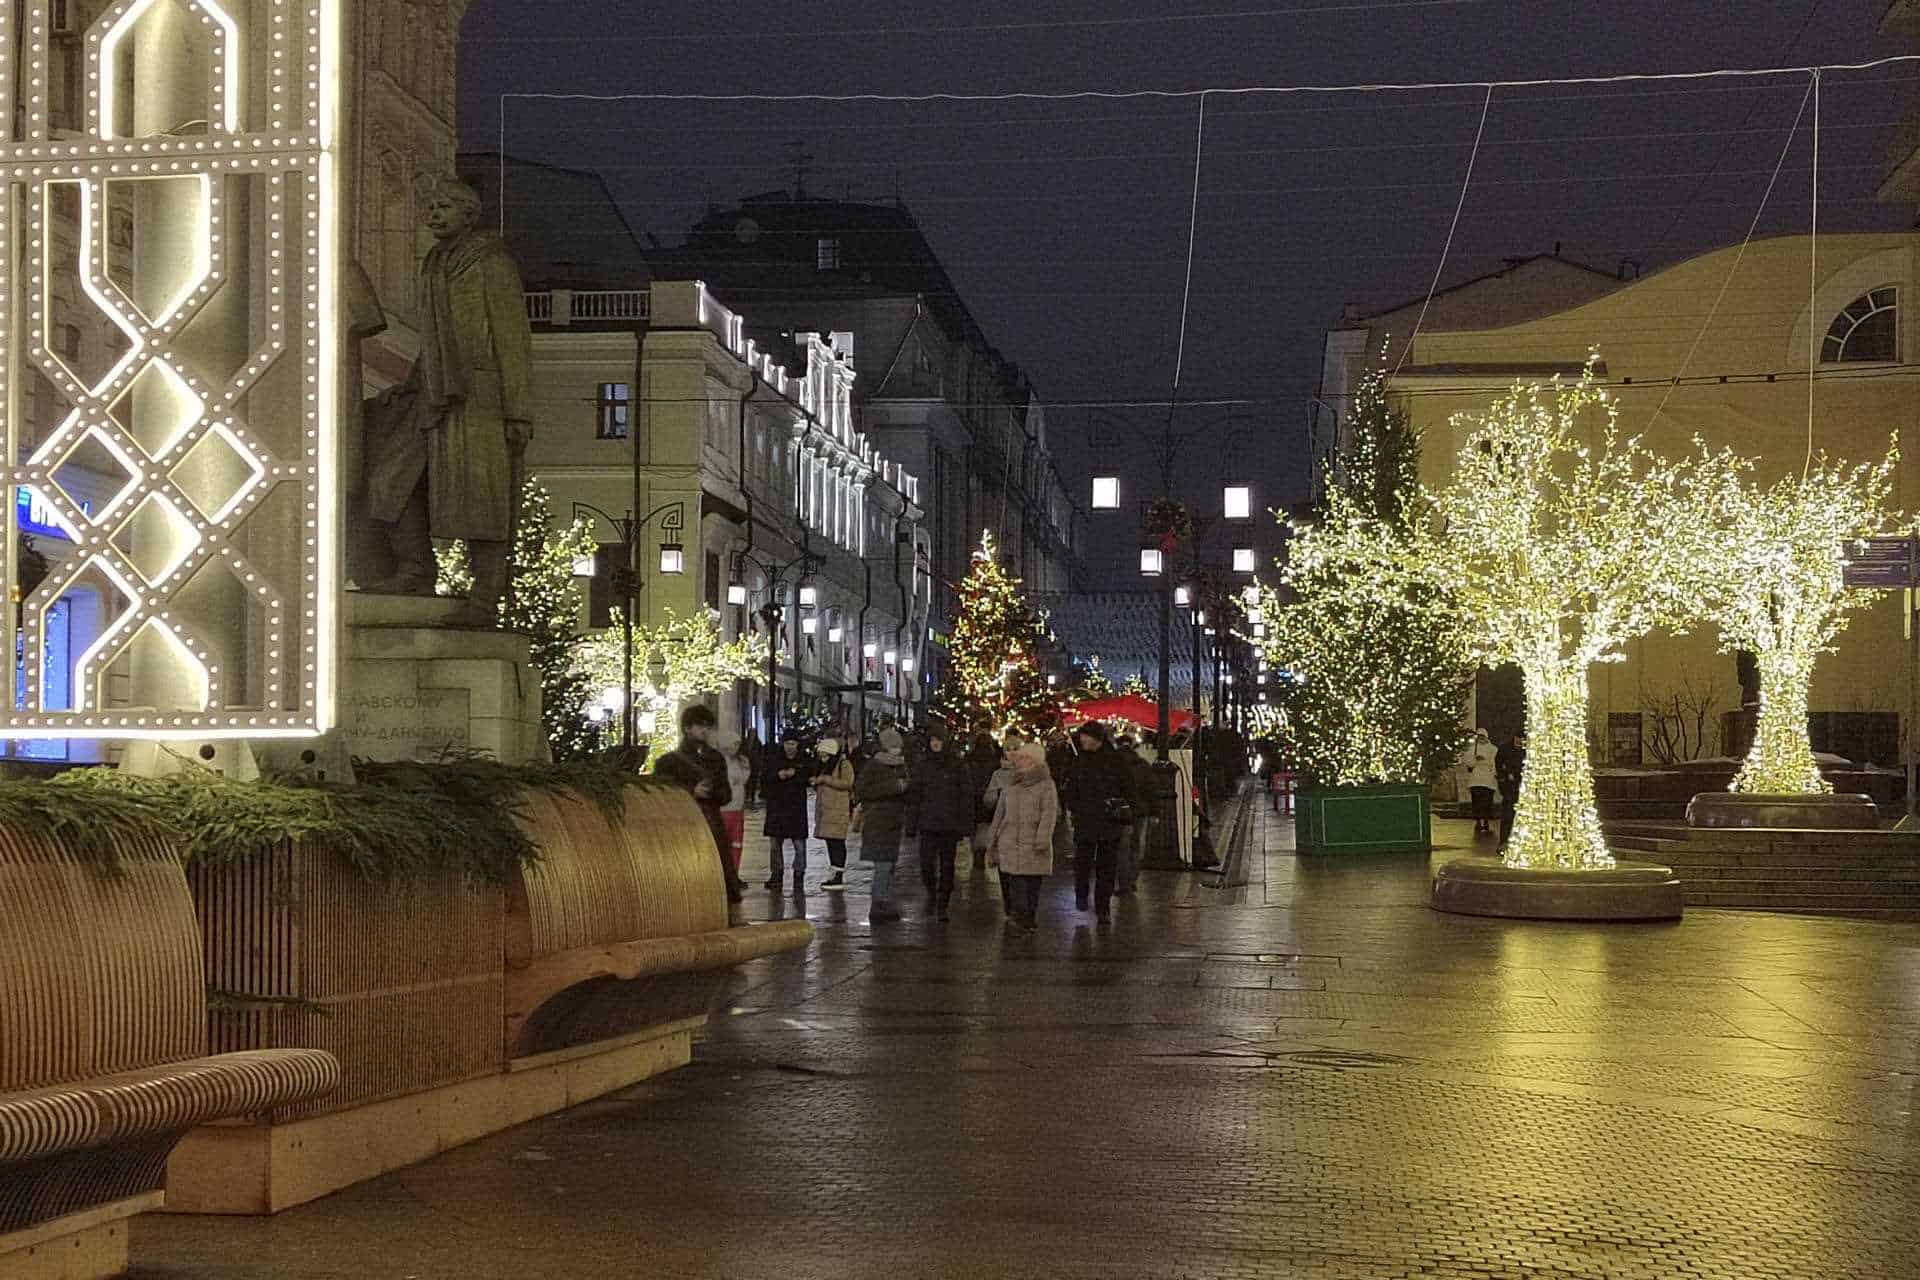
(833,807)
(1020,841)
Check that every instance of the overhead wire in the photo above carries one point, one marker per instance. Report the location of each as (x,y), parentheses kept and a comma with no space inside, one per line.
(1466,183)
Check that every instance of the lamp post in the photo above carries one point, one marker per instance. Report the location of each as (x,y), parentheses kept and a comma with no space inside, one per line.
(626,583)
(801,569)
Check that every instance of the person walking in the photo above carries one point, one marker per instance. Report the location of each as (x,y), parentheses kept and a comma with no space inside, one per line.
(1100,798)
(1478,762)
(943,784)
(1020,837)
(1509,764)
(1133,840)
(787,777)
(833,807)
(880,789)
(983,758)
(733,814)
(702,772)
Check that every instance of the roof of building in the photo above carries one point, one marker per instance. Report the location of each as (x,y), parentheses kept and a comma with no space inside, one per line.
(1596,281)
(563,225)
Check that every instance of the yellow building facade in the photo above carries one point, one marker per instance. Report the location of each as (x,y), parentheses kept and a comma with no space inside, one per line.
(1719,347)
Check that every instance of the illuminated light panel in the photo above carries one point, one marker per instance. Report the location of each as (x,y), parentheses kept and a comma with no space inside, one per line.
(186,498)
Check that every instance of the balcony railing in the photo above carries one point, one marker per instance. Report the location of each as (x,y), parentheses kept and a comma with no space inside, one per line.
(587,306)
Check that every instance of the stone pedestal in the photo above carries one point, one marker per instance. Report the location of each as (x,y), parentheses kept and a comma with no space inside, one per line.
(1736,809)
(1488,887)
(414,686)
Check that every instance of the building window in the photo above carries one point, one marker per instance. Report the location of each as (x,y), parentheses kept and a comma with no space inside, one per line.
(1624,737)
(1868,330)
(610,422)
(826,253)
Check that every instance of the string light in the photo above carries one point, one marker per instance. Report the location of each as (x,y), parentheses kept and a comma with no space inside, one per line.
(993,677)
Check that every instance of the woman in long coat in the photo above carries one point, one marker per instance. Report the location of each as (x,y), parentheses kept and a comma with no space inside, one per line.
(1021,839)
(881,788)
(788,777)
(833,806)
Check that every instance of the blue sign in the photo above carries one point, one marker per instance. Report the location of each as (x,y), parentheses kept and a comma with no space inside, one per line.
(34,516)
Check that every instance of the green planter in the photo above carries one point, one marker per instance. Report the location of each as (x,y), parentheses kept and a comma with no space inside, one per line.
(1382,819)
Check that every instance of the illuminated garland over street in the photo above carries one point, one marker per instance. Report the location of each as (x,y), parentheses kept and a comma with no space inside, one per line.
(1779,593)
(1558,541)
(994,680)
(1375,680)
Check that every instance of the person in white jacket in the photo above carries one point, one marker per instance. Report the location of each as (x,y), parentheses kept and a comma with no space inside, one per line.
(1477,762)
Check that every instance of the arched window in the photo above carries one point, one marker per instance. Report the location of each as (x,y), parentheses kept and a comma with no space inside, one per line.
(1868,330)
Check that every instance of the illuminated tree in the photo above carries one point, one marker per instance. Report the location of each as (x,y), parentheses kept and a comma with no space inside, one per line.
(1556,542)
(697,660)
(994,678)
(1376,671)
(1095,683)
(1137,687)
(1778,592)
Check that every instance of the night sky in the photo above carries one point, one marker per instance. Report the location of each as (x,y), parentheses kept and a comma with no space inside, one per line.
(1064,225)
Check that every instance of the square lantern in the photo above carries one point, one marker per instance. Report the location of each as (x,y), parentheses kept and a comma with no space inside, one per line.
(1182,597)
(869,649)
(672,558)
(736,593)
(585,566)
(1151,562)
(809,625)
(1243,560)
(809,595)
(1106,493)
(1237,502)
(834,634)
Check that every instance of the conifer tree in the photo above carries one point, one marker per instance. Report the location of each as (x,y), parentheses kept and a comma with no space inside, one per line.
(544,601)
(994,680)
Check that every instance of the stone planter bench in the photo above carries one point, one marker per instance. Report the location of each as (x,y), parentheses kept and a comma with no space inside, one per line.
(459,1010)
(103,1053)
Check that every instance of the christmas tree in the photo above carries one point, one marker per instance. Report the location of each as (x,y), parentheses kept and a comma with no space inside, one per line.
(994,680)
(1094,682)
(1137,687)
(544,602)
(1374,681)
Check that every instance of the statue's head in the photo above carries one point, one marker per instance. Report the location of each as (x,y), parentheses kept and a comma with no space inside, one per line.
(451,207)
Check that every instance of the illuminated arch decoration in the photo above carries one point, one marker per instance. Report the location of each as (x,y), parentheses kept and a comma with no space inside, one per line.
(205,249)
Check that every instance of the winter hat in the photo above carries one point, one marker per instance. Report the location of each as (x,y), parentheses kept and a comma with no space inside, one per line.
(890,740)
(1093,729)
(828,748)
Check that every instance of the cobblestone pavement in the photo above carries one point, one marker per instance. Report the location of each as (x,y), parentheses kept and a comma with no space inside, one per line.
(1309,1074)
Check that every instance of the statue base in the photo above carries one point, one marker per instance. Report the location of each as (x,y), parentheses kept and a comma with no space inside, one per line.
(417,685)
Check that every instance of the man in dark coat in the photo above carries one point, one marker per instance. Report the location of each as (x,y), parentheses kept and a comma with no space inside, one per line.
(702,771)
(944,784)
(789,776)
(1100,796)
(1509,763)
(1133,840)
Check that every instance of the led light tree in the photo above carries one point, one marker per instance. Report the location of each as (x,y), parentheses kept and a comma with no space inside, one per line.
(1095,683)
(1137,687)
(1779,594)
(1559,540)
(544,602)
(1378,669)
(694,659)
(994,678)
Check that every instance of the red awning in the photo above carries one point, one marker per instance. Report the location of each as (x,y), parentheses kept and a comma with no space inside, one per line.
(1130,707)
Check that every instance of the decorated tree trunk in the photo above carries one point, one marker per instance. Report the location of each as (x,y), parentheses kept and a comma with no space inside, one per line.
(1781,761)
(1557,823)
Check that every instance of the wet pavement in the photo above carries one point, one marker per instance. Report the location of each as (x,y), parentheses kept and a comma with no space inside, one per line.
(1308,1074)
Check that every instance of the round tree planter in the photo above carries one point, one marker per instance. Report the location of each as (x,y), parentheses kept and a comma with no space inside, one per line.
(1627,891)
(1732,809)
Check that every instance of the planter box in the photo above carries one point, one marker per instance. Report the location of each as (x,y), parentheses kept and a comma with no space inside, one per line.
(1380,819)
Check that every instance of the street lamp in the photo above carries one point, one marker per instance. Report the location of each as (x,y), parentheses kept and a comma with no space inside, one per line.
(1152,562)
(775,575)
(625,582)
(1243,560)
(672,558)
(834,635)
(1106,493)
(809,595)
(1237,502)
(1181,598)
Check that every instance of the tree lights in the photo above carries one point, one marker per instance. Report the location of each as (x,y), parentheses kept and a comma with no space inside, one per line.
(1385,667)
(1778,592)
(1557,541)
(993,673)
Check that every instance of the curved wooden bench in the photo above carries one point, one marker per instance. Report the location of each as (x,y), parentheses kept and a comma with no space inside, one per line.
(622,925)
(103,1051)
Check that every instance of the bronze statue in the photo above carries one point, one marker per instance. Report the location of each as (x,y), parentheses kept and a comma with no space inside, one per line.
(443,449)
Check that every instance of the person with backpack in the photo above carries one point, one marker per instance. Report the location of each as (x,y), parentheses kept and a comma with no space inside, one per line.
(944,786)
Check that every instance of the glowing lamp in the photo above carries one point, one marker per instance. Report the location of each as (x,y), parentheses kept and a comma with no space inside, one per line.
(1200,616)
(906,664)
(834,634)
(736,593)
(1243,559)
(672,558)
(584,566)
(1052,681)
(1106,493)
(1182,597)
(869,649)
(809,595)
(1151,562)
(1238,501)
(891,657)
(809,625)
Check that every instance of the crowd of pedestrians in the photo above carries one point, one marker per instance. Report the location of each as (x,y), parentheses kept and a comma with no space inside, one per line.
(1010,804)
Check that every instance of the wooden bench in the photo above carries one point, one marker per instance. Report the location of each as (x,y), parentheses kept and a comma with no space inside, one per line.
(103,1053)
